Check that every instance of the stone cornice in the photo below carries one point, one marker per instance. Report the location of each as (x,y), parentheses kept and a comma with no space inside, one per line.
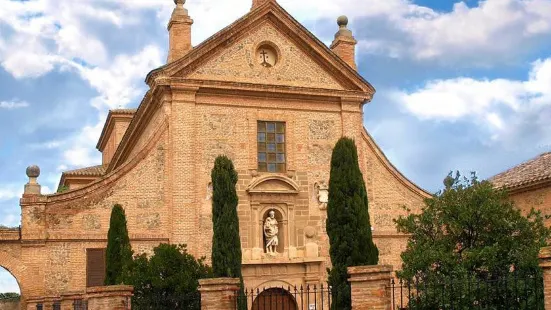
(210,86)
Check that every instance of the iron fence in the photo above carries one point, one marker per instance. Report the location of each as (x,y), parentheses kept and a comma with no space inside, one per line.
(78,304)
(510,291)
(310,297)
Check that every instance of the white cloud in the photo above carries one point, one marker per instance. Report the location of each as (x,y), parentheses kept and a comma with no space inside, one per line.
(505,107)
(488,33)
(10,191)
(14,104)
(48,145)
(120,83)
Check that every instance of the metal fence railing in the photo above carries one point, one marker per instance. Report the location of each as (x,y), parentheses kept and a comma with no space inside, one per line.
(523,291)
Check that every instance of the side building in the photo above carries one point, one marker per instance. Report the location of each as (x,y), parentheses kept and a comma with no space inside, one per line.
(263,91)
(529,184)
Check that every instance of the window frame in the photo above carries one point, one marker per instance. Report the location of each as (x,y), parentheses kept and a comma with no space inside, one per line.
(271,157)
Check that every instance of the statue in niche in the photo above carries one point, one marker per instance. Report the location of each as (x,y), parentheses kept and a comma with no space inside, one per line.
(270,231)
(323,194)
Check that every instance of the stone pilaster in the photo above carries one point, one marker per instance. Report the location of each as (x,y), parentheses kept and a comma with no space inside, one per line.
(219,293)
(370,287)
(545,264)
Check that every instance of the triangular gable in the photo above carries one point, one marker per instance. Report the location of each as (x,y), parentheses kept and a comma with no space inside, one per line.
(239,63)
(321,67)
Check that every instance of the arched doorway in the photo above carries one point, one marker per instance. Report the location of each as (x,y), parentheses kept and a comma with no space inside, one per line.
(275,299)
(10,293)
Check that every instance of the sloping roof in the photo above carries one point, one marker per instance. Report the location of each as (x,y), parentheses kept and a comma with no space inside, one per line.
(532,171)
(94,171)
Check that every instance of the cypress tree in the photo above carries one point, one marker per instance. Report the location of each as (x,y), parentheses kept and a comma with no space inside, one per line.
(119,251)
(226,245)
(348,224)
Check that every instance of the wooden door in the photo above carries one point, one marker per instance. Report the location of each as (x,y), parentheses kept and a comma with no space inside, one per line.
(274,299)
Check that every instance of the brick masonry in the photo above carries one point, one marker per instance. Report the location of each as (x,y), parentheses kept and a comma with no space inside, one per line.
(370,287)
(545,264)
(219,293)
(206,104)
(538,198)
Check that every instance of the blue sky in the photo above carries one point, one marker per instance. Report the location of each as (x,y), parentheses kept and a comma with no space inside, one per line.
(460,85)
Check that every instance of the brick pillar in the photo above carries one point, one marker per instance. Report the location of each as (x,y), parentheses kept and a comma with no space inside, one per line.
(545,264)
(219,293)
(115,297)
(67,299)
(370,287)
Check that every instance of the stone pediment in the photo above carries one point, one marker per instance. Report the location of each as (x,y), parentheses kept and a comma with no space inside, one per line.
(273,184)
(240,62)
(231,56)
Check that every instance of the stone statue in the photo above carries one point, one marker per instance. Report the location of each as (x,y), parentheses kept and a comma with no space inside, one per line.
(323,194)
(270,231)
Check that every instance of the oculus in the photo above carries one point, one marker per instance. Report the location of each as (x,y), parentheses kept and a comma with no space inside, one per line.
(266,56)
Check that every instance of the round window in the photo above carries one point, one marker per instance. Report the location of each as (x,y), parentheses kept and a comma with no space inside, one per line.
(266,56)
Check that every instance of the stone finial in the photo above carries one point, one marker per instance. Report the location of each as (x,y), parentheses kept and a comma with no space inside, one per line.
(344,44)
(342,21)
(33,171)
(32,188)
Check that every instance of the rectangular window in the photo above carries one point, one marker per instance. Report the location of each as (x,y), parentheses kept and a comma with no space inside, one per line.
(271,147)
(95,267)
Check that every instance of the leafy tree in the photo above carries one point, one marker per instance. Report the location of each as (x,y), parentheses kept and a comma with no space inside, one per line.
(119,252)
(470,231)
(62,189)
(5,296)
(226,245)
(167,280)
(348,224)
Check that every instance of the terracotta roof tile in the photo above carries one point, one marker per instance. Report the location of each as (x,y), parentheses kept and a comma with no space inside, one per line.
(123,111)
(532,171)
(88,171)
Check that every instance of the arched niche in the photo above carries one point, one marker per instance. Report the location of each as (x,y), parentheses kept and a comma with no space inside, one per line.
(281,221)
(276,192)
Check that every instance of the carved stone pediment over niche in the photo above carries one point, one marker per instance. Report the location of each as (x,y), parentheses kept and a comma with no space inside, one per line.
(273,184)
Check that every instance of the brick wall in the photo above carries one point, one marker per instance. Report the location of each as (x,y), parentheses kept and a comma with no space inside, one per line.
(537,198)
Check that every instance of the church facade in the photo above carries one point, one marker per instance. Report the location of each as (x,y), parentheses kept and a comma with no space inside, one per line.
(263,91)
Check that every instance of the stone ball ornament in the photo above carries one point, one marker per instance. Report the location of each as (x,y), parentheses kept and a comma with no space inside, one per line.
(33,171)
(342,21)
(310,232)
